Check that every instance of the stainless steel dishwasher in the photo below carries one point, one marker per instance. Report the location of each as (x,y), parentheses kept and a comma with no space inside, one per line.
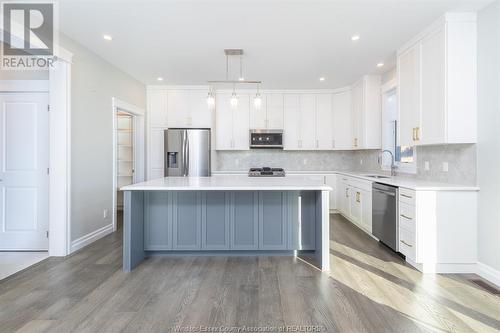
(385,224)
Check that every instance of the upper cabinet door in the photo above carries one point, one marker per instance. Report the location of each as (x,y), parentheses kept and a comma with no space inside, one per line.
(357,117)
(291,133)
(307,125)
(188,108)
(342,136)
(157,108)
(275,106)
(223,122)
(201,116)
(241,121)
(324,122)
(258,117)
(178,109)
(409,95)
(433,73)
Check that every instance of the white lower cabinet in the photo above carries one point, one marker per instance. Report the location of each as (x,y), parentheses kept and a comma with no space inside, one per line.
(354,198)
(438,230)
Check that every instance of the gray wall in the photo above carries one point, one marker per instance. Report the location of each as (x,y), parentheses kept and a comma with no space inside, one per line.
(488,147)
(461,161)
(93,83)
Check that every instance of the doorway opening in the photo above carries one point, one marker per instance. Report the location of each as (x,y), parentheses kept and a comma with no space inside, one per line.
(128,153)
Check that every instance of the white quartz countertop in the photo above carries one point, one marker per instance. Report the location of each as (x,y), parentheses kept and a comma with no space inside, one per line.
(230,183)
(410,183)
(405,182)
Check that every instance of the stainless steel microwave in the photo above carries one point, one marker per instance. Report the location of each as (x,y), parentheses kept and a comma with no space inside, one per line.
(266,138)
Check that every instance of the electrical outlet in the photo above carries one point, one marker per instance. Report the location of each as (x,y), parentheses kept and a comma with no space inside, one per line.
(105,213)
(445,166)
(426,165)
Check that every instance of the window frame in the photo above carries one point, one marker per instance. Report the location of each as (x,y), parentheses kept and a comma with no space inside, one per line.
(408,168)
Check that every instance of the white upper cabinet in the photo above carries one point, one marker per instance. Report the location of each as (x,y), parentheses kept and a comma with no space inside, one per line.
(437,83)
(300,122)
(274,107)
(270,114)
(188,108)
(258,117)
(200,115)
(291,133)
(307,121)
(324,122)
(157,108)
(232,123)
(409,92)
(341,105)
(366,113)
(356,113)
(179,108)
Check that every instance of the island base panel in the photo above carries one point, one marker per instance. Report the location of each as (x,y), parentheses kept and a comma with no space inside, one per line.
(226,223)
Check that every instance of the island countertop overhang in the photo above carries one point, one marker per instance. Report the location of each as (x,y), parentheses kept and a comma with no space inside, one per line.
(231,183)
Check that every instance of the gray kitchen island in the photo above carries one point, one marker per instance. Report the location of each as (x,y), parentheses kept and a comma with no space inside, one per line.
(232,215)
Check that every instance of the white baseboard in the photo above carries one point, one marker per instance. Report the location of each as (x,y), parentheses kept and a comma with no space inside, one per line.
(488,273)
(91,237)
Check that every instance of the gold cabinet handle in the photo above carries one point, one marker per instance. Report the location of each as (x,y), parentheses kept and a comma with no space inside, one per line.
(358,197)
(406,217)
(414,135)
(405,243)
(418,133)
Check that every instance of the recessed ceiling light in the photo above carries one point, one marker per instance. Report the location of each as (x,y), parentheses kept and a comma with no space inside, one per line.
(159,79)
(107,37)
(354,38)
(322,79)
(380,64)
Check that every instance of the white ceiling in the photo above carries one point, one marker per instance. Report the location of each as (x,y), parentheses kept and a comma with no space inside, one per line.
(288,44)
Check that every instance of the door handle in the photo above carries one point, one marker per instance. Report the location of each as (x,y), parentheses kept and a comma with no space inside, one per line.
(406,217)
(405,243)
(406,196)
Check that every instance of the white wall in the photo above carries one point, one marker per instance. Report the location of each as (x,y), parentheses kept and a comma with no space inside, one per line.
(488,148)
(93,83)
(23,75)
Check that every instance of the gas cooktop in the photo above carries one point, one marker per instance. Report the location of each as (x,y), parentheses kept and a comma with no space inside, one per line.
(266,172)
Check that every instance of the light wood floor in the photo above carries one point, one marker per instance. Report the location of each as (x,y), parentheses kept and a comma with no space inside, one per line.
(368,290)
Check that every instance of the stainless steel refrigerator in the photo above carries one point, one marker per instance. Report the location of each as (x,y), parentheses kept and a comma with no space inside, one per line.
(187,152)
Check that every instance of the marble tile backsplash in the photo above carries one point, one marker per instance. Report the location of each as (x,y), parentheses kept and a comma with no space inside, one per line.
(461,161)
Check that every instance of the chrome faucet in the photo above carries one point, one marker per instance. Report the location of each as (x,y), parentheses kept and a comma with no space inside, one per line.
(393,165)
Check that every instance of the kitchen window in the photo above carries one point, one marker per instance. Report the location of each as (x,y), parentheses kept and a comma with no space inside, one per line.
(405,156)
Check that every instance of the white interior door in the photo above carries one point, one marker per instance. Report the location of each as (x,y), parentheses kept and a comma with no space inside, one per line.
(24,180)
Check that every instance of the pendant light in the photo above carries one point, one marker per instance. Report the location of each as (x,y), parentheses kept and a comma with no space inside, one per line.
(234,98)
(234,101)
(211,98)
(257,100)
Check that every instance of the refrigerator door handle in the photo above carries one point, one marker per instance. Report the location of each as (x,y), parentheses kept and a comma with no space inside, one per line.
(186,167)
(184,152)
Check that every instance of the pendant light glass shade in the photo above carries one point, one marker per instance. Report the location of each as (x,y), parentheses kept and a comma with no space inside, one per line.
(210,99)
(234,100)
(257,101)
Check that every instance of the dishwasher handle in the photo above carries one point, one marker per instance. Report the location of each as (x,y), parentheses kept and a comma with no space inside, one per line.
(392,194)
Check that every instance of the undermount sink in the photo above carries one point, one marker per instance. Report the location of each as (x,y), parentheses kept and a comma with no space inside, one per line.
(377,176)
